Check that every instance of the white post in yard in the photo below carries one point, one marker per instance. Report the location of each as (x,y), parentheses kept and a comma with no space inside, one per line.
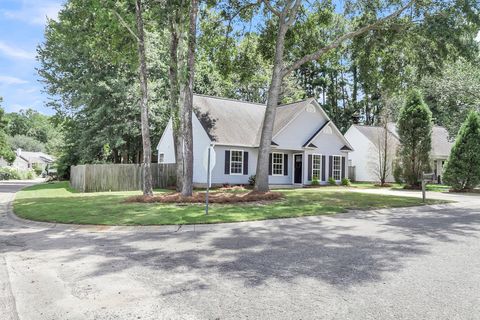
(423,187)
(208,182)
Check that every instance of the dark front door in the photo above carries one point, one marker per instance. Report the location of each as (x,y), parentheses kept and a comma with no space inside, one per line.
(297,168)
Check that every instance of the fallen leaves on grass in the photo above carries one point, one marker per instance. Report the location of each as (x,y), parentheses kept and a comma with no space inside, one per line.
(216,197)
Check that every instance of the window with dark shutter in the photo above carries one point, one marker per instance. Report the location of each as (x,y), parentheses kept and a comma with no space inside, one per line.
(316,166)
(245,162)
(270,164)
(227,161)
(330,166)
(236,162)
(323,169)
(343,167)
(310,167)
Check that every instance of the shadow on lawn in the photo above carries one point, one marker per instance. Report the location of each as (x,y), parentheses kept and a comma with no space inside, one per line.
(333,250)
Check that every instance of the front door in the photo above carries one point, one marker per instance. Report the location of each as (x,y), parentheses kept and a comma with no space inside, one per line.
(297,168)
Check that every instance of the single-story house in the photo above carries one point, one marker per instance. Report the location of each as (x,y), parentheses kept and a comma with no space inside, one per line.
(367,139)
(306,144)
(25,160)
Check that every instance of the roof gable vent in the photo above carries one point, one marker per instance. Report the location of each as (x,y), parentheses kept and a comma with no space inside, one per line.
(327,130)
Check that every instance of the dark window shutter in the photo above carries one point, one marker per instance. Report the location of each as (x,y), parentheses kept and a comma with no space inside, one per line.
(227,161)
(310,159)
(245,162)
(343,167)
(285,164)
(330,166)
(270,164)
(323,168)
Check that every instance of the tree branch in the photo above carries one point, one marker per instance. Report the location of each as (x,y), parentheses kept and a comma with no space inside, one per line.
(292,12)
(340,40)
(271,8)
(126,25)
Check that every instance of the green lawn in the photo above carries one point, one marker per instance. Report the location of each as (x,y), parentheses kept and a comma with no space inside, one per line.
(55,202)
(398,186)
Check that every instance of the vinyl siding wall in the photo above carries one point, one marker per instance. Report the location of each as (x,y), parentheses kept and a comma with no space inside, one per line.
(219,176)
(363,157)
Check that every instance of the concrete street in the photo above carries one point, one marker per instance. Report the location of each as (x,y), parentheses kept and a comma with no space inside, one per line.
(408,263)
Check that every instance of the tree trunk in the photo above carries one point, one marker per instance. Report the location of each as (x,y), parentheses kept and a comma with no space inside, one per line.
(174,100)
(261,180)
(147,149)
(187,134)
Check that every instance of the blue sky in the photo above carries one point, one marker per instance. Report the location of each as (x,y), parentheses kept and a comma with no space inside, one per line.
(21,30)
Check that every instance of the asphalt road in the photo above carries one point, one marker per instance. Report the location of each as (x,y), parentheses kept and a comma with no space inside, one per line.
(411,263)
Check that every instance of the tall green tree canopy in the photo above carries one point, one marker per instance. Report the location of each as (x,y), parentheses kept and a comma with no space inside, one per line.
(89,67)
(463,167)
(453,93)
(5,150)
(415,133)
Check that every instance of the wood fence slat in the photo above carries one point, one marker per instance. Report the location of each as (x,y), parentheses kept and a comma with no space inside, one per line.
(119,177)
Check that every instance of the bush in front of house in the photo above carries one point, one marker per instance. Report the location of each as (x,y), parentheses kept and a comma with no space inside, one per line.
(9,173)
(315,181)
(332,181)
(462,170)
(251,180)
(37,169)
(397,172)
(345,182)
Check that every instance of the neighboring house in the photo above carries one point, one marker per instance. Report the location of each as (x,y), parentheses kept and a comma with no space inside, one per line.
(365,141)
(27,160)
(305,143)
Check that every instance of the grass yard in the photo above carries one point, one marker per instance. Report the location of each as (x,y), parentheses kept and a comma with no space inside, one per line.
(56,202)
(397,186)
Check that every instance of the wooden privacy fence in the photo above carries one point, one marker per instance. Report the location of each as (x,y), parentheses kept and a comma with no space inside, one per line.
(119,177)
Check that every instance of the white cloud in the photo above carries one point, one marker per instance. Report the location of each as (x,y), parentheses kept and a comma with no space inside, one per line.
(14,52)
(34,11)
(7,80)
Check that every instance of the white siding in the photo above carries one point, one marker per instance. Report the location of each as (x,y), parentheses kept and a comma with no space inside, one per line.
(328,144)
(166,145)
(363,156)
(300,129)
(219,176)
(201,141)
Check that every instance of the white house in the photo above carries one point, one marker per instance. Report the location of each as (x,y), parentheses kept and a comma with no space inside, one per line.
(366,140)
(306,144)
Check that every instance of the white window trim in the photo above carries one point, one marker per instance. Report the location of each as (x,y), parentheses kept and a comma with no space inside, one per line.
(161,154)
(320,175)
(333,167)
(283,164)
(230,164)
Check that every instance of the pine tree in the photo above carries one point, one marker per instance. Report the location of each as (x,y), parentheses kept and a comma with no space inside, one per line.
(415,132)
(462,171)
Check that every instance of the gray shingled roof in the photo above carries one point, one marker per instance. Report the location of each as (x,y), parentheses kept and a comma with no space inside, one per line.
(441,145)
(36,157)
(374,134)
(234,122)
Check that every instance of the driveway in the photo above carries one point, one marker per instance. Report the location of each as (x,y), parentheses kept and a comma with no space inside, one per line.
(410,263)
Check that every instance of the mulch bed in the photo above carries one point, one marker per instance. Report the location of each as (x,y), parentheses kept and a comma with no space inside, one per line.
(385,185)
(216,197)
